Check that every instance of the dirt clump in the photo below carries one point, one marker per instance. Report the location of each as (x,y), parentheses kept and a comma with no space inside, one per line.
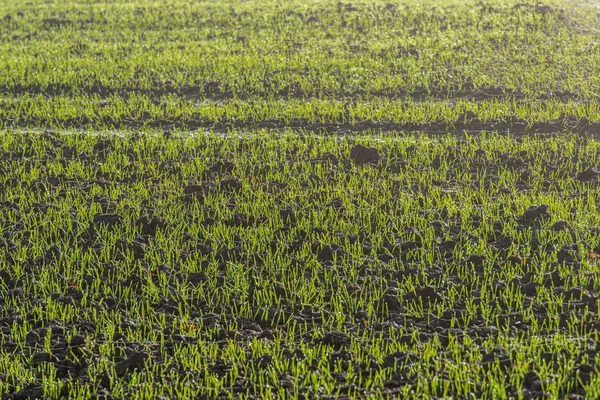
(362,155)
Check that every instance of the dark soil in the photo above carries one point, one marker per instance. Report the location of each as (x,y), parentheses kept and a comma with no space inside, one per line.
(390,257)
(216,91)
(514,126)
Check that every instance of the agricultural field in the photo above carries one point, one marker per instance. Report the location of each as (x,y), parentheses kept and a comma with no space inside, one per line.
(300,199)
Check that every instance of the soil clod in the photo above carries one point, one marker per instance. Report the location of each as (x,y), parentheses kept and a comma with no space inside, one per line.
(336,339)
(232,184)
(536,213)
(136,360)
(31,391)
(329,253)
(362,155)
(108,219)
(497,356)
(560,225)
(588,175)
